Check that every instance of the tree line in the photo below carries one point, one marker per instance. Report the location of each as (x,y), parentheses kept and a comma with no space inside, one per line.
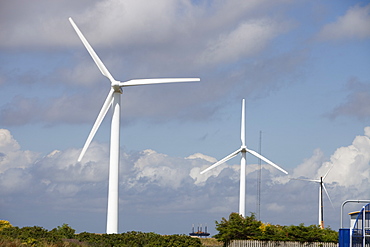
(64,235)
(238,227)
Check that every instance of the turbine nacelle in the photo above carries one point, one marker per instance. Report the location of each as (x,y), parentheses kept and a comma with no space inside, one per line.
(116,87)
(244,149)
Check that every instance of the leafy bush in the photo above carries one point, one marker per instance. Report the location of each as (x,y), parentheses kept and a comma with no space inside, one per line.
(239,228)
(63,232)
(29,236)
(65,236)
(138,239)
(4,224)
(311,233)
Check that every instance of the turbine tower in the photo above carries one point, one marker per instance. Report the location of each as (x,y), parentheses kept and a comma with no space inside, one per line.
(321,202)
(243,150)
(114,98)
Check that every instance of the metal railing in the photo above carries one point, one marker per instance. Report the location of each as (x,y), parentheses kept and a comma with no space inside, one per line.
(258,243)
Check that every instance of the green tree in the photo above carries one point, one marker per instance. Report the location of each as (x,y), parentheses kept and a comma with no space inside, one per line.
(273,233)
(63,232)
(330,235)
(312,233)
(238,227)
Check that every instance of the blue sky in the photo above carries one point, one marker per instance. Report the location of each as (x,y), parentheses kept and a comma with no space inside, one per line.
(302,66)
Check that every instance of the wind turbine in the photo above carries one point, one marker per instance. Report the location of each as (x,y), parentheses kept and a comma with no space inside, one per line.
(243,150)
(321,202)
(114,98)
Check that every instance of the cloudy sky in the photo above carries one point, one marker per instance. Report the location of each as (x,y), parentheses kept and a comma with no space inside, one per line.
(302,66)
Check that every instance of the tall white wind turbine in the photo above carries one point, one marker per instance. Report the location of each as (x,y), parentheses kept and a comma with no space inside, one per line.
(113,99)
(321,202)
(243,150)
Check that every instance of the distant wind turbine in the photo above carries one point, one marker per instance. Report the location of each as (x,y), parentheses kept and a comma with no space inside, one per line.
(321,202)
(114,98)
(243,150)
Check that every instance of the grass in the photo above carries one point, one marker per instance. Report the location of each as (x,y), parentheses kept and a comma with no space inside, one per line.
(211,242)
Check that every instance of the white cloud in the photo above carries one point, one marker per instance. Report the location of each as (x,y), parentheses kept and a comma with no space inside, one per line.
(155,168)
(136,21)
(134,39)
(247,39)
(15,180)
(351,164)
(126,22)
(200,179)
(7,142)
(355,24)
(11,155)
(310,166)
(350,167)
(170,185)
(202,156)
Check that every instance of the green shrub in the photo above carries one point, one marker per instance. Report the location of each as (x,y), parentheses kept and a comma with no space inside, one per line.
(240,228)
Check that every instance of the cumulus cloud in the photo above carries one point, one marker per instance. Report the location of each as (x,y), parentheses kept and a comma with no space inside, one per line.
(15,181)
(354,24)
(201,156)
(306,169)
(172,184)
(351,164)
(350,167)
(11,155)
(155,168)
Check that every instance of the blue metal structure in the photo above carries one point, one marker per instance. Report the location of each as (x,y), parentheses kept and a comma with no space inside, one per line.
(360,231)
(344,237)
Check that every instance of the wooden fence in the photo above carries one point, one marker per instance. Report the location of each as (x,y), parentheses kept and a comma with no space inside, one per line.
(257,243)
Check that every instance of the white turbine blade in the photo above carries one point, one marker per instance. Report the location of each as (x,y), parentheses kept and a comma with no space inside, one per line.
(266,160)
(242,135)
(323,185)
(306,179)
(94,56)
(137,82)
(230,156)
(327,172)
(97,123)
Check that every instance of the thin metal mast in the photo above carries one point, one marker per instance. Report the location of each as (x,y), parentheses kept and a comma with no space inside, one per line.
(259,175)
